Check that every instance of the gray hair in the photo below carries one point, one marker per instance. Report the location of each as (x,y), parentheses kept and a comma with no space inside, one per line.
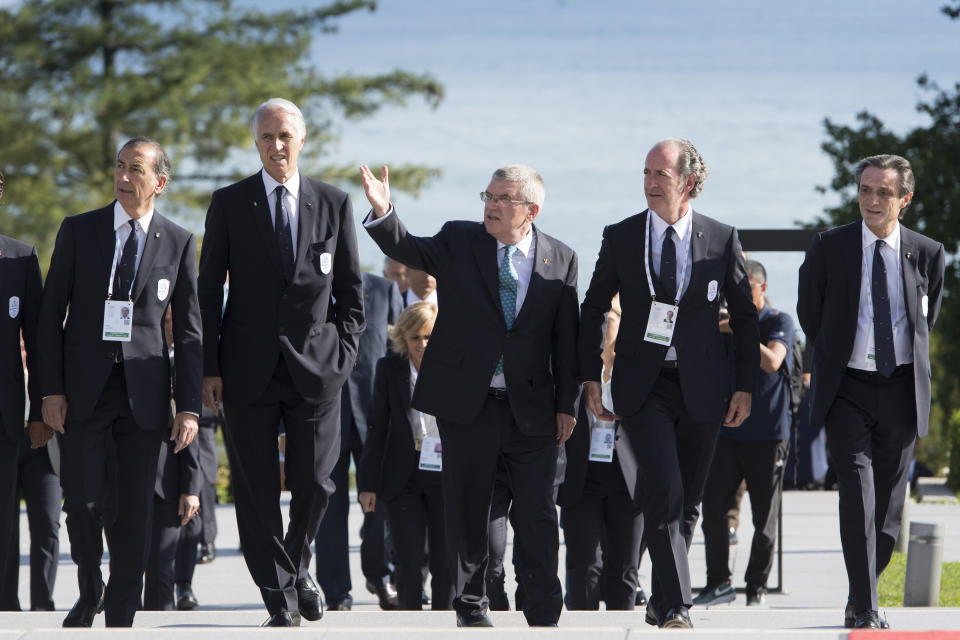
(755,271)
(689,162)
(279,104)
(161,161)
(531,184)
(889,161)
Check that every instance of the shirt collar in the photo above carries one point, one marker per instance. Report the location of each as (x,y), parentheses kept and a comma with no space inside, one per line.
(523,246)
(292,185)
(869,237)
(681,227)
(122,219)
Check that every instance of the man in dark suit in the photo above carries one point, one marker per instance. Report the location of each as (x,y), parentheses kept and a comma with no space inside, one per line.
(280,350)
(499,374)
(671,382)
(20,290)
(104,380)
(381,307)
(869,296)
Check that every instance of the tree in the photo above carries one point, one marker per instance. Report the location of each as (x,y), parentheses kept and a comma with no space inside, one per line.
(79,77)
(934,152)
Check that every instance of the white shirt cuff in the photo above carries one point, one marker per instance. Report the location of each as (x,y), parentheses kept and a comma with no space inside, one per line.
(370,221)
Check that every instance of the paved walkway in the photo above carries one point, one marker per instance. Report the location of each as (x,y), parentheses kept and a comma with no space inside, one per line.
(811,606)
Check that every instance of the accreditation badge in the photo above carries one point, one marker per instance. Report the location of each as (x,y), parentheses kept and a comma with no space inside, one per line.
(602,442)
(431,455)
(661,323)
(117,320)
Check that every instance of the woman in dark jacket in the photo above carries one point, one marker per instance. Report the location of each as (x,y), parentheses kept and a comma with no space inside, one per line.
(400,466)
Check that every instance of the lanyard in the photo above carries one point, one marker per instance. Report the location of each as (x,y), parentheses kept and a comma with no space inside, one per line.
(116,261)
(646,261)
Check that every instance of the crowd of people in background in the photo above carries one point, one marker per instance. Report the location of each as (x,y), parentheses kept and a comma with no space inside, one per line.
(469,387)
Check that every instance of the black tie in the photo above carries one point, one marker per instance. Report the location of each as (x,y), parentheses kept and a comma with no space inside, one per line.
(128,264)
(668,265)
(281,228)
(882,325)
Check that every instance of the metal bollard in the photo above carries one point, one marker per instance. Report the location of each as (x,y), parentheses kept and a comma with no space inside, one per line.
(924,559)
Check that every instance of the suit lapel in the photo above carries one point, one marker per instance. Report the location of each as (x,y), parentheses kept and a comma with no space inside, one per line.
(544,256)
(854,268)
(260,211)
(308,214)
(699,241)
(485,253)
(155,235)
(908,261)
(107,240)
(406,394)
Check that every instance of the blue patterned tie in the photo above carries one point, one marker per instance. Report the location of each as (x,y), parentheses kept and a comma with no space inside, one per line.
(508,292)
(882,324)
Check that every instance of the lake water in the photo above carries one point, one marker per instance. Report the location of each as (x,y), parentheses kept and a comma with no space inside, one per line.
(581,90)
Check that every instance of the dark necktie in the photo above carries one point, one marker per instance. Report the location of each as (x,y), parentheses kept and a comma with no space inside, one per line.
(882,325)
(668,265)
(281,228)
(509,281)
(127,267)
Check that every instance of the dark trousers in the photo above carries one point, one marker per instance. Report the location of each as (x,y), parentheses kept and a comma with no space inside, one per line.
(470,454)
(673,454)
(158,581)
(40,488)
(497,526)
(9,520)
(188,538)
(871,431)
(207,518)
(415,516)
(277,560)
(85,478)
(760,464)
(332,541)
(603,533)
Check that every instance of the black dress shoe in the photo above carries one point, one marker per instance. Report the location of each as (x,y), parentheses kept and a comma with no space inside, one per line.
(677,618)
(283,619)
(476,620)
(652,616)
(186,600)
(849,615)
(867,620)
(308,599)
(83,612)
(385,593)
(641,598)
(207,553)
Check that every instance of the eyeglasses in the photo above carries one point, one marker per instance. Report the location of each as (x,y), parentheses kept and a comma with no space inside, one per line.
(486,196)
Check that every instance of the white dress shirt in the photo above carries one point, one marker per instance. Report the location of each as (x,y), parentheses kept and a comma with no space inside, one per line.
(291,202)
(425,426)
(863,343)
(121,227)
(411,297)
(683,230)
(523,262)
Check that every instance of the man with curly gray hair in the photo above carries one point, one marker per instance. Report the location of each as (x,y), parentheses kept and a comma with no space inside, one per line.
(671,385)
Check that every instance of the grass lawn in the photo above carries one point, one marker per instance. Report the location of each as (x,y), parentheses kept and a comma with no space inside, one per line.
(890,585)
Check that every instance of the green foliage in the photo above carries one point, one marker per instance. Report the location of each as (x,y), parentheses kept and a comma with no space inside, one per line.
(80,77)
(934,151)
(890,583)
(953,478)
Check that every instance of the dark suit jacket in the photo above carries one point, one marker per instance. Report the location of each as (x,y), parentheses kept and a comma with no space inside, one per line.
(389,455)
(20,289)
(76,361)
(178,473)
(539,353)
(701,353)
(265,316)
(828,303)
(382,306)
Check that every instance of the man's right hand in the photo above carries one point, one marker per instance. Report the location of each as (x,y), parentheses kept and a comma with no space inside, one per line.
(378,191)
(594,395)
(212,393)
(367,500)
(54,411)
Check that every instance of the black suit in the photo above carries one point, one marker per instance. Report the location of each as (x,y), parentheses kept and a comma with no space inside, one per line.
(411,497)
(539,365)
(283,350)
(672,416)
(116,390)
(20,289)
(381,307)
(872,422)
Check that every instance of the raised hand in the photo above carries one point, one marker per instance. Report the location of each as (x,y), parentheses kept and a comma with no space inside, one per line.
(378,191)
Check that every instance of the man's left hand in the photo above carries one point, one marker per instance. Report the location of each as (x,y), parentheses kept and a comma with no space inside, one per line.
(565,424)
(40,433)
(185,427)
(739,409)
(189,507)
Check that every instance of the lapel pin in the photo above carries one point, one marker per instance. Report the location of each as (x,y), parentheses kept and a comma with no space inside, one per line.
(308,204)
(254,203)
(545,261)
(156,234)
(908,254)
(699,234)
